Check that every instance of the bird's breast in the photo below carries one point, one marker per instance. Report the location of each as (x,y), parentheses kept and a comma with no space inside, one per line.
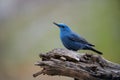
(69,44)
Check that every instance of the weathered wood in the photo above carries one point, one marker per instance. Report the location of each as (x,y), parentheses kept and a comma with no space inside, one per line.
(81,66)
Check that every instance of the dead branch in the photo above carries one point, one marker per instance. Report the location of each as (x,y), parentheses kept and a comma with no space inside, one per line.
(81,66)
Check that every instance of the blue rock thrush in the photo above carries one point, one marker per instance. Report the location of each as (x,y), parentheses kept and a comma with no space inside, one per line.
(73,41)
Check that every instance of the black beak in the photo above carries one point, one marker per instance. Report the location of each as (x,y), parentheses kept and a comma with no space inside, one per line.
(56,24)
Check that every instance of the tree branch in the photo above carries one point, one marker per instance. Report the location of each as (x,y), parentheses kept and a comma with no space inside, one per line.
(81,66)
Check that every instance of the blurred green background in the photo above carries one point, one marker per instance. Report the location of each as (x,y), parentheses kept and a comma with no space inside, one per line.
(26,29)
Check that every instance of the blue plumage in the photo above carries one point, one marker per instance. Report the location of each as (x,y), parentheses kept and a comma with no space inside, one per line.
(73,41)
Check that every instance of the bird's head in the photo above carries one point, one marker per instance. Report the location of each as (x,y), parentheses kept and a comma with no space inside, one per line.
(62,26)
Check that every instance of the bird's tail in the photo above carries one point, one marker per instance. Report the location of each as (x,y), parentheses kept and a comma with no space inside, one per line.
(91,48)
(95,50)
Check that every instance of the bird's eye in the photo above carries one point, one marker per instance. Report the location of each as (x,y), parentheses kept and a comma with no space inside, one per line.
(63,26)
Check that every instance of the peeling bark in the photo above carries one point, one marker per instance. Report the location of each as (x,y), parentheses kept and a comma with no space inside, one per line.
(81,66)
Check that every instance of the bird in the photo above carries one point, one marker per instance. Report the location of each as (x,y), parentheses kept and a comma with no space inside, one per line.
(73,41)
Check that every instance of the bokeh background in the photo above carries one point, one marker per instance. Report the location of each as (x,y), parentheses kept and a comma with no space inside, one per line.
(26,29)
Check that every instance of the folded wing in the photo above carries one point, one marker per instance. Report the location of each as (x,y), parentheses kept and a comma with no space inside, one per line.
(77,38)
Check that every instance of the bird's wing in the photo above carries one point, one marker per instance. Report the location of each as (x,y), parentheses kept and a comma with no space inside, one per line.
(77,38)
